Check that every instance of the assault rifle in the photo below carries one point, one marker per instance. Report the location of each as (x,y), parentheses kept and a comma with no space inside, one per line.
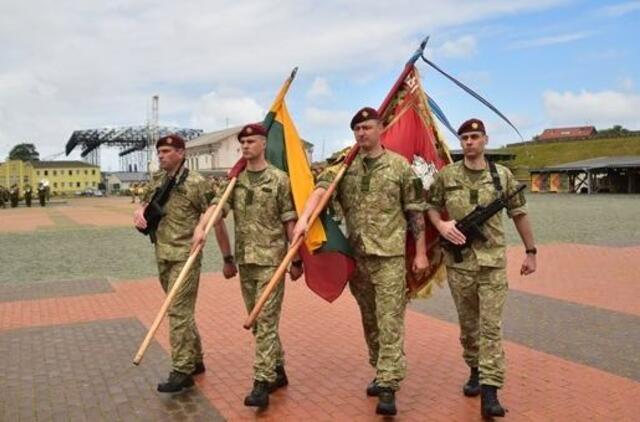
(154,211)
(470,225)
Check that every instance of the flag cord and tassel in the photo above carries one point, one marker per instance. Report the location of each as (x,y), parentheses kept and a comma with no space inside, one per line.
(472,93)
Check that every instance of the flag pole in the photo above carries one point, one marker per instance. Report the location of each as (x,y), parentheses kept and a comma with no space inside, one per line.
(216,215)
(182,276)
(296,243)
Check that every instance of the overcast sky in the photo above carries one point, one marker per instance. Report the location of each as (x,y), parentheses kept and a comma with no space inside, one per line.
(70,65)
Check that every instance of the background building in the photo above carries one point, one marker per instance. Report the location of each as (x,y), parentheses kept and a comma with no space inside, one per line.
(215,153)
(580,132)
(121,181)
(64,177)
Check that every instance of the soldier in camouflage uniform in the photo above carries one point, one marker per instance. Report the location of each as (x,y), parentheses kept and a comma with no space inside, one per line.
(380,196)
(264,218)
(479,283)
(177,235)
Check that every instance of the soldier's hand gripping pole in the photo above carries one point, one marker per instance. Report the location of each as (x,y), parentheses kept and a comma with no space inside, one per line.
(183,273)
(297,242)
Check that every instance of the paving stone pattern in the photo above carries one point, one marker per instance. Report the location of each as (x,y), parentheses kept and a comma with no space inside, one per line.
(83,372)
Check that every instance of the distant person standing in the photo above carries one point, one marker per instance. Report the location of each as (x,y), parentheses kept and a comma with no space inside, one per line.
(15,195)
(3,200)
(134,193)
(478,281)
(42,194)
(28,194)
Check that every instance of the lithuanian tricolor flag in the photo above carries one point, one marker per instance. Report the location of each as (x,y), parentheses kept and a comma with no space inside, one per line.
(326,253)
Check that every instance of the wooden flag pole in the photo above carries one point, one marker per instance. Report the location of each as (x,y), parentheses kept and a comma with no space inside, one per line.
(183,273)
(278,276)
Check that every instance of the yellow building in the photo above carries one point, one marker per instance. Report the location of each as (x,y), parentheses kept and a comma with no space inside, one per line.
(63,177)
(15,172)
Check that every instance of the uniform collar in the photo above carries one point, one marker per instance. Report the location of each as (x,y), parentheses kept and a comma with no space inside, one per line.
(265,177)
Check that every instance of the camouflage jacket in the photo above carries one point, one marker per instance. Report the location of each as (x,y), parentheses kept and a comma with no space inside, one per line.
(188,200)
(456,191)
(374,201)
(260,210)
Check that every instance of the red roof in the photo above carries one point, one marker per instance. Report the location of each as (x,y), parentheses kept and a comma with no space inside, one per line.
(567,132)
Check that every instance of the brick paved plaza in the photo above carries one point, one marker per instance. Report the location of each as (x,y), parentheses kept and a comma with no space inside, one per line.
(77,293)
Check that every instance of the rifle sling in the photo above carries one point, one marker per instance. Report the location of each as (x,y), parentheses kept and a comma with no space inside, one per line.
(494,176)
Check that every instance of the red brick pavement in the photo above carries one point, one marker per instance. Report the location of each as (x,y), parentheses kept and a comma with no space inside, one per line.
(24,219)
(86,215)
(605,277)
(327,365)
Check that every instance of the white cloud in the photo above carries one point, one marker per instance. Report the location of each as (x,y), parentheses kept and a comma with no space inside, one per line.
(463,47)
(69,65)
(551,40)
(601,109)
(620,9)
(319,88)
(214,111)
(327,118)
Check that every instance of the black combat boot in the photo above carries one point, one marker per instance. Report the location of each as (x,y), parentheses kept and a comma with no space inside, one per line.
(177,382)
(199,369)
(472,387)
(489,404)
(281,379)
(259,396)
(373,389)
(386,402)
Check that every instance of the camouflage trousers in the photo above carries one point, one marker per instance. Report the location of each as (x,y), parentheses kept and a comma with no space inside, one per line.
(479,297)
(378,286)
(186,347)
(269,352)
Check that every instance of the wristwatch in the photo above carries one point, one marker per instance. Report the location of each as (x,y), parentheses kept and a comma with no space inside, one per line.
(297,263)
(228,259)
(532,251)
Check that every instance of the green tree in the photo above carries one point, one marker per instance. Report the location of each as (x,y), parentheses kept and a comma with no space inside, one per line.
(24,152)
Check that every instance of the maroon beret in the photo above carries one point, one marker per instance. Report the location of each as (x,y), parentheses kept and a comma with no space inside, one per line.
(172,140)
(472,125)
(252,129)
(366,113)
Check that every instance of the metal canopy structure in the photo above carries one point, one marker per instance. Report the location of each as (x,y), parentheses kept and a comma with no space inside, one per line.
(129,138)
(136,143)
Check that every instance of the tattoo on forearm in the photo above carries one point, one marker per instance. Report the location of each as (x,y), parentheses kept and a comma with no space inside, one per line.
(416,223)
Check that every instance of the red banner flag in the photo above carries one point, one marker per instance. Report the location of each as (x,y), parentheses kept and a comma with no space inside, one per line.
(410,130)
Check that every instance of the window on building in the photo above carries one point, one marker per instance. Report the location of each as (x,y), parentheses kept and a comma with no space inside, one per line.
(55,172)
(93,172)
(46,172)
(62,184)
(70,172)
(37,172)
(86,172)
(86,184)
(93,184)
(77,171)
(77,184)
(55,184)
